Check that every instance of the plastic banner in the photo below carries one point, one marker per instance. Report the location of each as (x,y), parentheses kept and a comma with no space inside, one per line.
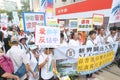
(84,59)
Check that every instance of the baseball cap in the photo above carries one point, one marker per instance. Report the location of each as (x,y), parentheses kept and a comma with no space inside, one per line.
(32,47)
(14,38)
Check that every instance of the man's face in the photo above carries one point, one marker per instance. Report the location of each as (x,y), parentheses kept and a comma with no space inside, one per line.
(23,41)
(102,31)
(113,33)
(93,36)
(75,36)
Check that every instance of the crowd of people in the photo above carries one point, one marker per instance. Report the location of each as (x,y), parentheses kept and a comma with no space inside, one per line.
(39,62)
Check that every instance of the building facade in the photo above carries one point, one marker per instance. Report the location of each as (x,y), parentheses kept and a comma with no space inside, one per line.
(66,10)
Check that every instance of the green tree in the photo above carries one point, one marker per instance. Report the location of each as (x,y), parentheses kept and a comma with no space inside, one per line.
(8,13)
(25,8)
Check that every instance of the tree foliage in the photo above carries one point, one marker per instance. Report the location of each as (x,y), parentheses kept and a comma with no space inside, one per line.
(25,8)
(8,13)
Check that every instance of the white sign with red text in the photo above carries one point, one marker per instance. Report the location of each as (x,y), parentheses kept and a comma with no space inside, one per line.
(85,24)
(47,36)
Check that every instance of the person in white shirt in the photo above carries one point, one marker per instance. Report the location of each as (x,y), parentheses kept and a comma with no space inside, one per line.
(91,42)
(63,43)
(91,38)
(101,38)
(75,40)
(47,63)
(33,62)
(17,56)
(112,38)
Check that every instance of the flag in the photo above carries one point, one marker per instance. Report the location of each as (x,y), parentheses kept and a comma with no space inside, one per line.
(115,12)
(43,5)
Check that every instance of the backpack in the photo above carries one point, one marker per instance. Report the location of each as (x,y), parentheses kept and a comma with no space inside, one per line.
(6,64)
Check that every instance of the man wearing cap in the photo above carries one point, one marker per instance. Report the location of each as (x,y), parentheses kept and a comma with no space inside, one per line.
(17,56)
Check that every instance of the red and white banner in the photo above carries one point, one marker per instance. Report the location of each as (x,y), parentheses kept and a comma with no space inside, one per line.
(87,5)
(84,9)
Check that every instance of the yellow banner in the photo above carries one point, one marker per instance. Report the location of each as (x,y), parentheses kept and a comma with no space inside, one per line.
(94,62)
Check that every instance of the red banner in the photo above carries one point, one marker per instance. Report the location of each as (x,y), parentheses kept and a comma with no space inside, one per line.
(88,5)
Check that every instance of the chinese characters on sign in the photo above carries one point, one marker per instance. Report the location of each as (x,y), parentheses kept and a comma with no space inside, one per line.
(85,24)
(52,22)
(73,23)
(32,19)
(98,19)
(47,36)
(84,59)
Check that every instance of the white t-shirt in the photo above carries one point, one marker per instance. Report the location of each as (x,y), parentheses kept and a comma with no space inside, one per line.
(33,64)
(73,42)
(17,56)
(23,47)
(111,39)
(46,71)
(100,39)
(90,42)
(63,44)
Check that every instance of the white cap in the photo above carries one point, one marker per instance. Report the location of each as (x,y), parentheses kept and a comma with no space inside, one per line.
(14,38)
(32,47)
(22,37)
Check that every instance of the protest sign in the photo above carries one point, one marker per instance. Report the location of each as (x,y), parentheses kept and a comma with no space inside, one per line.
(98,19)
(47,36)
(73,24)
(31,19)
(15,18)
(84,59)
(4,19)
(52,22)
(85,24)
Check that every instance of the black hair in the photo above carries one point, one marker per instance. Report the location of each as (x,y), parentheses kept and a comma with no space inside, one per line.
(92,32)
(95,27)
(31,43)
(73,33)
(1,36)
(49,48)
(14,42)
(114,28)
(118,28)
(61,35)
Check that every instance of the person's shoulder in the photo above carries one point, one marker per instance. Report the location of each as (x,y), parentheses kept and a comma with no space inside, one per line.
(88,42)
(71,40)
(42,54)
